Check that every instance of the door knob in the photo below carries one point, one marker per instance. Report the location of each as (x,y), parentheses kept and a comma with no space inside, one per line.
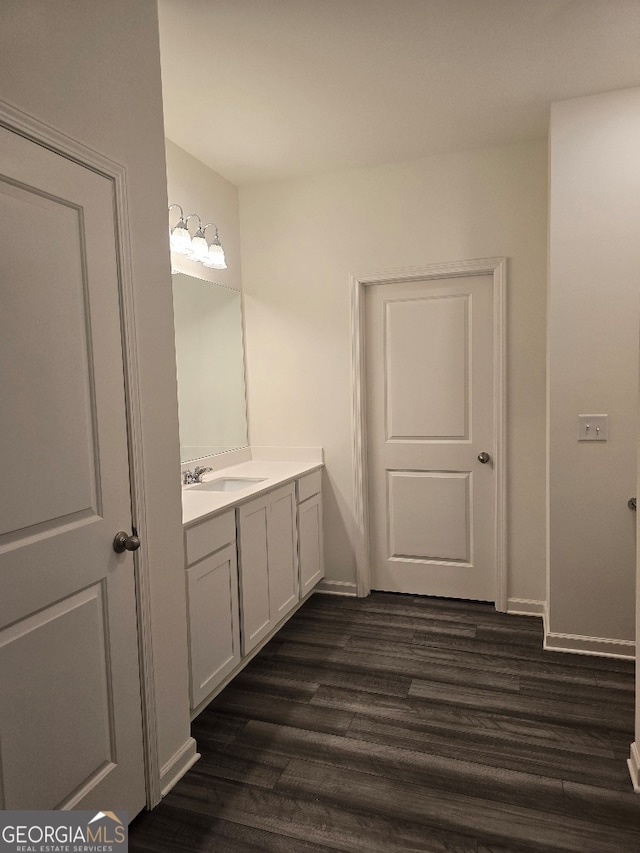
(123,542)
(484,457)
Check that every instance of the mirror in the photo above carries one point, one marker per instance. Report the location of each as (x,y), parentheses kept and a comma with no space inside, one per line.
(210,364)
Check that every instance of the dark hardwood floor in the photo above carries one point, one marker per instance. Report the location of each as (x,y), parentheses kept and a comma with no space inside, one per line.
(397,723)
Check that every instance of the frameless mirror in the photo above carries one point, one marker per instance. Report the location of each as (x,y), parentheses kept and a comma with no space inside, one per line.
(210,364)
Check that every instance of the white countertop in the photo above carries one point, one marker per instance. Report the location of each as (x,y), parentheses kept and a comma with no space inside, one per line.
(197,504)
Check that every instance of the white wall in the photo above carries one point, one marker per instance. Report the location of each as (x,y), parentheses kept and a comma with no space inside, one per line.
(593,361)
(200,190)
(92,71)
(302,239)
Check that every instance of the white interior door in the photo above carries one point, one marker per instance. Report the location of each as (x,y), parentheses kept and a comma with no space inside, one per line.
(430,414)
(70,710)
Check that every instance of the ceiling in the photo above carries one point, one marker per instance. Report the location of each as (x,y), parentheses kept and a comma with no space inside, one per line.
(264,90)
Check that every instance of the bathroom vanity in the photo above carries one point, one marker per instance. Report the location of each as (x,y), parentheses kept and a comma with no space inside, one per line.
(253,526)
(253,554)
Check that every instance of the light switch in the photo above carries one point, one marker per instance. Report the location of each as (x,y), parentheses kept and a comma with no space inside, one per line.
(592,427)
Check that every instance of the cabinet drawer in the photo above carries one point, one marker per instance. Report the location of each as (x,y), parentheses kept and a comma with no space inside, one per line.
(308,485)
(210,536)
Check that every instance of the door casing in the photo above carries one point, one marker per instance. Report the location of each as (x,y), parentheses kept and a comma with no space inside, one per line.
(497,268)
(31,128)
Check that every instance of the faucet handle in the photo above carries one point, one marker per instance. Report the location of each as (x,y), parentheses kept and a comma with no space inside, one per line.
(188,477)
(198,471)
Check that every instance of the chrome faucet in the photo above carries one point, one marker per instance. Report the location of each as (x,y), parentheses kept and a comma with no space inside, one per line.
(198,471)
(189,477)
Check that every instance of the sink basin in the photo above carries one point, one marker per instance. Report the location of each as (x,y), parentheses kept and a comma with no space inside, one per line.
(228,484)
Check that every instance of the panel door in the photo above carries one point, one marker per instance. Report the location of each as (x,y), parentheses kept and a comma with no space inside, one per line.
(70,717)
(214,628)
(429,373)
(283,552)
(310,544)
(253,555)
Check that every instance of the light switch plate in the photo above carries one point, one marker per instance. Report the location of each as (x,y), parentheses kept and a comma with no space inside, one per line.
(593,427)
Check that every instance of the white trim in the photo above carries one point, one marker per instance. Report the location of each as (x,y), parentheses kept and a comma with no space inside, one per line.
(220,460)
(483,266)
(576,644)
(500,418)
(633,763)
(182,760)
(359,439)
(138,495)
(42,134)
(526,607)
(328,587)
(194,269)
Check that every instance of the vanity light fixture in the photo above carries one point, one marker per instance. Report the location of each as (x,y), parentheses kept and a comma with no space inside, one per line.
(196,247)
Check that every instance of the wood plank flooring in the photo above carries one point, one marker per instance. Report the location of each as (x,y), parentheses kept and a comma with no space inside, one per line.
(398,723)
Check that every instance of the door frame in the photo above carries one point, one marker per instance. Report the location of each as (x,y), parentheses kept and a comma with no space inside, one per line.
(27,126)
(497,268)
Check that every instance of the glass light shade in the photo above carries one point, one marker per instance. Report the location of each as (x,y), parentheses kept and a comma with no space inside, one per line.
(199,248)
(215,257)
(180,239)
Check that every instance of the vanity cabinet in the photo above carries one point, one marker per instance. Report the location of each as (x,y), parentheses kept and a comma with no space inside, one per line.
(268,562)
(309,516)
(248,568)
(212,599)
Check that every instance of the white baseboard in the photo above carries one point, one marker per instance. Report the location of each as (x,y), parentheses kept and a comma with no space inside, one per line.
(634,767)
(572,643)
(337,587)
(526,607)
(589,645)
(175,768)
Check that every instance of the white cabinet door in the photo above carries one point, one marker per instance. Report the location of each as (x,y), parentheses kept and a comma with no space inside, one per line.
(267,548)
(310,543)
(253,520)
(283,556)
(70,710)
(214,623)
